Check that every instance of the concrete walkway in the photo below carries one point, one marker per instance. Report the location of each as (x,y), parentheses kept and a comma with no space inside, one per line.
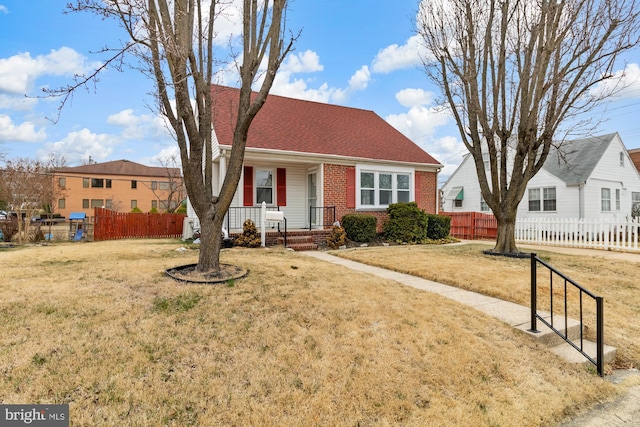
(508,312)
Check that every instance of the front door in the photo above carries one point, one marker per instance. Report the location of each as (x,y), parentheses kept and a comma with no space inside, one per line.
(312,202)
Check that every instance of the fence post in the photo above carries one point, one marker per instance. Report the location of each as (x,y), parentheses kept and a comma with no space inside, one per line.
(534,301)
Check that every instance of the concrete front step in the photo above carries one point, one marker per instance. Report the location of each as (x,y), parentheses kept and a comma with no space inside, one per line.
(571,355)
(299,243)
(563,349)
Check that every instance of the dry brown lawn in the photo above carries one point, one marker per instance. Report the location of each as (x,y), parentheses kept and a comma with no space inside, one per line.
(297,342)
(465,266)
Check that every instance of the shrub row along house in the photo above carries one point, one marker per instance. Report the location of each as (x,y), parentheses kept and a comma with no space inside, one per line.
(317,162)
(590,178)
(119,185)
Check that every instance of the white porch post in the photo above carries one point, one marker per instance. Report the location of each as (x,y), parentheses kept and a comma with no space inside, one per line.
(263,223)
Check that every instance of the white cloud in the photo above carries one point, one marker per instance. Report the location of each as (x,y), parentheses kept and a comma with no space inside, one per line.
(305,62)
(18,73)
(77,146)
(24,132)
(139,126)
(411,97)
(397,57)
(3,9)
(624,84)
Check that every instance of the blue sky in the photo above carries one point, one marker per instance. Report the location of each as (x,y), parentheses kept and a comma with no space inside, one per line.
(357,53)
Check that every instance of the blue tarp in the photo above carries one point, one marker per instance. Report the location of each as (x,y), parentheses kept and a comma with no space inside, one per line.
(77,215)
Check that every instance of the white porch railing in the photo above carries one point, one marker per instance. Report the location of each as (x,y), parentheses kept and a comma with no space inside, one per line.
(596,234)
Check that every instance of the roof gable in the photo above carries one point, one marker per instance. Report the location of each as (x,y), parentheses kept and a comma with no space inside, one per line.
(575,160)
(121,167)
(294,125)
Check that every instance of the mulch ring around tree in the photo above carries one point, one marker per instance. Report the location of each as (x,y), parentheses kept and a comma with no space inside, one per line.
(188,274)
(507,254)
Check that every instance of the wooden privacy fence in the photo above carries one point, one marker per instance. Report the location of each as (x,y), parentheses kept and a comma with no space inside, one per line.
(111,225)
(472,225)
(609,234)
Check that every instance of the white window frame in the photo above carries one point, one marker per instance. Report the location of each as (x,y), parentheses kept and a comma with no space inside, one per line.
(617,200)
(484,207)
(542,197)
(605,199)
(255,185)
(376,171)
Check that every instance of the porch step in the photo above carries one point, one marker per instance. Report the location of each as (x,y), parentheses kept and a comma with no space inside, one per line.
(561,348)
(299,243)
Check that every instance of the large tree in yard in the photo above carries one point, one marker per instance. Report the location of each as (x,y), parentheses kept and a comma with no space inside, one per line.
(515,75)
(174,41)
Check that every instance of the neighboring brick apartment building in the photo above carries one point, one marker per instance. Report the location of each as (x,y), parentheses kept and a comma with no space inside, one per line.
(120,185)
(635,157)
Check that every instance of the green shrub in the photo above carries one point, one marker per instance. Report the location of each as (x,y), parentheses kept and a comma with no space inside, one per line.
(438,226)
(406,223)
(359,227)
(136,210)
(182,209)
(337,238)
(154,211)
(250,238)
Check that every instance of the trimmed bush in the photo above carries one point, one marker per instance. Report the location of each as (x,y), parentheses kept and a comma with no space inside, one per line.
(438,226)
(337,238)
(406,223)
(359,227)
(136,210)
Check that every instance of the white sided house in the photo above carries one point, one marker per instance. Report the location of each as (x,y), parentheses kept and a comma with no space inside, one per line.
(586,179)
(317,162)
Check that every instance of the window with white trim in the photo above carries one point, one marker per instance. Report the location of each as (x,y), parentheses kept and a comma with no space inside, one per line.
(605,199)
(484,207)
(264,186)
(635,201)
(617,199)
(380,188)
(544,200)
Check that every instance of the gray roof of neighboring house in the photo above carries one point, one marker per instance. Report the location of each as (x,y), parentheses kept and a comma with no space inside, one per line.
(575,160)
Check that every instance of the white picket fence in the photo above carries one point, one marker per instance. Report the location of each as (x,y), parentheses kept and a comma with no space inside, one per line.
(596,234)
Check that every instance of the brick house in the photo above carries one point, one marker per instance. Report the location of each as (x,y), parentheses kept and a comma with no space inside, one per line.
(120,185)
(310,159)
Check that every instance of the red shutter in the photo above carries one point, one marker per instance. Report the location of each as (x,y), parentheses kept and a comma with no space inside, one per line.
(248,186)
(417,196)
(281,186)
(351,187)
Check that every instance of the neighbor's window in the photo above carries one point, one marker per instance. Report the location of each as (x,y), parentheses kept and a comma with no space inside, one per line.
(108,183)
(379,189)
(484,207)
(134,203)
(62,182)
(163,186)
(108,203)
(534,200)
(85,203)
(549,199)
(61,203)
(264,186)
(617,199)
(164,205)
(97,182)
(134,183)
(622,158)
(97,203)
(85,182)
(154,204)
(154,185)
(605,199)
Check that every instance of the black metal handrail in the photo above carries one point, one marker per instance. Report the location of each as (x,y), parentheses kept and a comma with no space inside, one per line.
(328,214)
(599,360)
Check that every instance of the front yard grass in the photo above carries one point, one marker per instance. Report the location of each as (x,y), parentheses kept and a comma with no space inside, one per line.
(296,342)
(465,266)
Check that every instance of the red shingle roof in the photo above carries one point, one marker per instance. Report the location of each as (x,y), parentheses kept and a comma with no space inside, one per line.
(296,125)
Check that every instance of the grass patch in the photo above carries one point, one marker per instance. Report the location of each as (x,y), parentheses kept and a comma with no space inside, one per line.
(466,267)
(313,345)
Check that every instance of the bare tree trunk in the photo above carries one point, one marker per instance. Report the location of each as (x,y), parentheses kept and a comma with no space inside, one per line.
(210,232)
(505,241)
